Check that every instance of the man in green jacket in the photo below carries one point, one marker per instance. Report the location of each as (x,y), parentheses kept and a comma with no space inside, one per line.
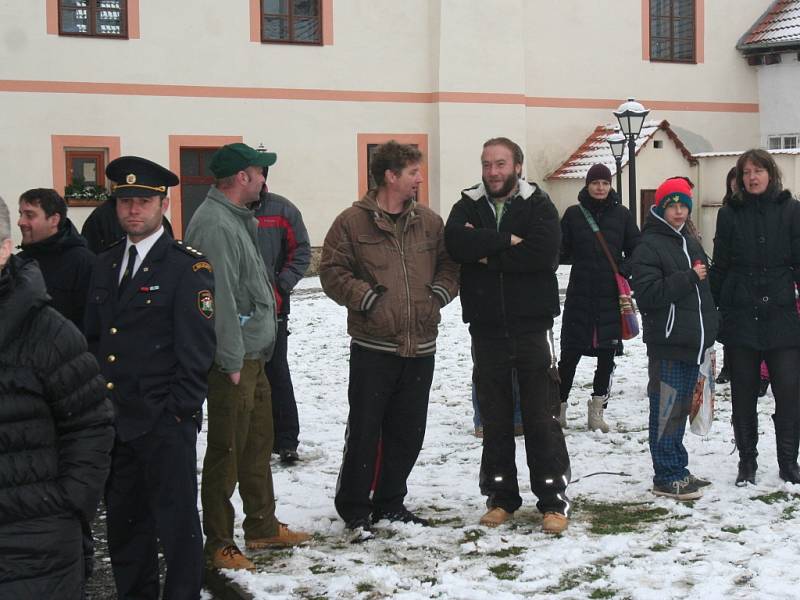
(240,434)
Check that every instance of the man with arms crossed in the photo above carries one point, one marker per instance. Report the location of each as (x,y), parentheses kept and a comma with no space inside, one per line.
(505,234)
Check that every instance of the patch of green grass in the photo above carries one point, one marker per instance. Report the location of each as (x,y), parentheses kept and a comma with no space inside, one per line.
(431,580)
(788,511)
(660,547)
(734,529)
(773,498)
(505,571)
(606,593)
(472,535)
(454,521)
(364,586)
(609,518)
(506,552)
(674,529)
(572,578)
(318,569)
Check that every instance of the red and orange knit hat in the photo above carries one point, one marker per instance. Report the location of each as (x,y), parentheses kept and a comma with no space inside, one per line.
(675,189)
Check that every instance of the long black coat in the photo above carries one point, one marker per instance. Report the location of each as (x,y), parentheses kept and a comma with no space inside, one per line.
(155,343)
(66,264)
(592,298)
(678,314)
(756,265)
(516,290)
(55,438)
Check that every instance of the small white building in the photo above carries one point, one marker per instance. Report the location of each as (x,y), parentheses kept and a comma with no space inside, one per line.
(660,154)
(772,48)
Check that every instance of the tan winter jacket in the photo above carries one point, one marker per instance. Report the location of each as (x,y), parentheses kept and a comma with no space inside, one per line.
(393,287)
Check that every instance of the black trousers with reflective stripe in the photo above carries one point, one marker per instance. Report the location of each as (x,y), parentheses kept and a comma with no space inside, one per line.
(545,448)
(388,398)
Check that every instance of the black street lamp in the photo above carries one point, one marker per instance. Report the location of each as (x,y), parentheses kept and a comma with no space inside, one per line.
(617,143)
(631,116)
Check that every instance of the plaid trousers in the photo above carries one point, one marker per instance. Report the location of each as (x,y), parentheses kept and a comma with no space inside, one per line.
(670,391)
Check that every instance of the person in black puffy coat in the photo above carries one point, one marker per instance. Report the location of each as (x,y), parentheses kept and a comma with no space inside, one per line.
(680,322)
(591,322)
(754,276)
(55,436)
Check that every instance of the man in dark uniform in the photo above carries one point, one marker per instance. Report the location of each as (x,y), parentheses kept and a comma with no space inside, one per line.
(150,323)
(101,229)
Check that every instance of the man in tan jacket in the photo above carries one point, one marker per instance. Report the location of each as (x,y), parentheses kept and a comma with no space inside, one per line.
(384,259)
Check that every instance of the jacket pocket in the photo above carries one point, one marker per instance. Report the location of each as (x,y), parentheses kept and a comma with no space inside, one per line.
(373,258)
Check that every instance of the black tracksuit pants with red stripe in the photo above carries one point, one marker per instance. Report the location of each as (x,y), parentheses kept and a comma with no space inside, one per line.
(388,397)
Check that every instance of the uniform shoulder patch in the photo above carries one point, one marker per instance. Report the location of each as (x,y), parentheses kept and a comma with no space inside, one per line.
(205,303)
(202,265)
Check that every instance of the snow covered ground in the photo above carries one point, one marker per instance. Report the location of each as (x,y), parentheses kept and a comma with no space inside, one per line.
(622,541)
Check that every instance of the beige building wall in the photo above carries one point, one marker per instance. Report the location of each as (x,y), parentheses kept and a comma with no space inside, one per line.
(451,71)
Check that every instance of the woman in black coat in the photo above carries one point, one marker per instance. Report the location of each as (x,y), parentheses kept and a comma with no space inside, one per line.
(591,322)
(753,278)
(55,436)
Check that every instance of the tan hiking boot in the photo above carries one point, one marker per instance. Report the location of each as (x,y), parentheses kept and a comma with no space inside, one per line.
(230,557)
(495,516)
(554,522)
(285,538)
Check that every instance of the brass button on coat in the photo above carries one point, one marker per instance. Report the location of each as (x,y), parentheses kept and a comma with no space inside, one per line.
(111,358)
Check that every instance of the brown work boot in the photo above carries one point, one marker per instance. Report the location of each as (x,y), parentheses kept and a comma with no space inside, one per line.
(495,516)
(283,539)
(230,557)
(554,522)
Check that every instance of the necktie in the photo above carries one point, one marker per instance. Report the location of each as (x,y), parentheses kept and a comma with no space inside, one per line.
(126,276)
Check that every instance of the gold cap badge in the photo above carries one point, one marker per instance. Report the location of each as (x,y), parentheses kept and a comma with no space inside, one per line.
(130,179)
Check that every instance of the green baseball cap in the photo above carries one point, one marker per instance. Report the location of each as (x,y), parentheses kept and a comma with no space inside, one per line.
(232,158)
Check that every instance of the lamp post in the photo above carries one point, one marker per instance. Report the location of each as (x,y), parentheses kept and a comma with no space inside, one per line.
(617,143)
(631,116)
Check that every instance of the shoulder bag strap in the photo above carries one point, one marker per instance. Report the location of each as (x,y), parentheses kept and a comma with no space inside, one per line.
(600,238)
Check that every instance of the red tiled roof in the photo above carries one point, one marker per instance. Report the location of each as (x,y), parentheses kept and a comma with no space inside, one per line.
(596,150)
(779,26)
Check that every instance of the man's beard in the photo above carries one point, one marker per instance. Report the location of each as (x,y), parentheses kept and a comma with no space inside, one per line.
(505,189)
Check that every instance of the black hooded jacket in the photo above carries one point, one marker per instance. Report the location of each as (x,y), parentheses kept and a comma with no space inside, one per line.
(55,440)
(592,301)
(515,290)
(755,269)
(66,264)
(679,318)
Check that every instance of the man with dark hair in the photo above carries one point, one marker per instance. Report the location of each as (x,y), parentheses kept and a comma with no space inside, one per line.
(384,259)
(55,436)
(505,234)
(102,229)
(150,322)
(283,242)
(240,434)
(51,239)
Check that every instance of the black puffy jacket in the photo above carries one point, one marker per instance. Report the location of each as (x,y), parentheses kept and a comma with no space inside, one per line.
(516,290)
(66,264)
(592,297)
(678,314)
(55,440)
(756,265)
